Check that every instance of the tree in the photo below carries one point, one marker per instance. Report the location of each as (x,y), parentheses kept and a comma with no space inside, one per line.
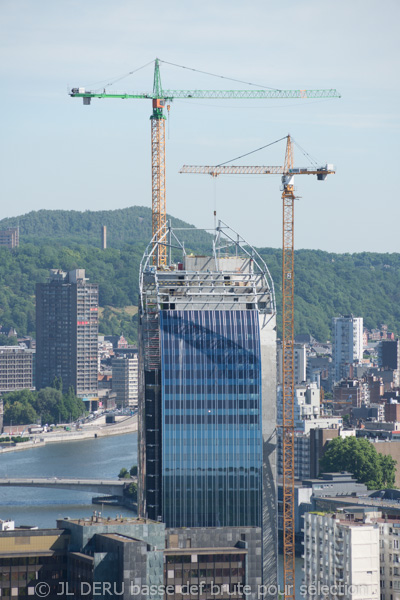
(124,473)
(359,456)
(388,466)
(74,406)
(8,341)
(57,383)
(133,471)
(19,413)
(131,491)
(19,407)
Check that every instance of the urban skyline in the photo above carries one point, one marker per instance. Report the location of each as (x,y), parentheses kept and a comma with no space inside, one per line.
(240,438)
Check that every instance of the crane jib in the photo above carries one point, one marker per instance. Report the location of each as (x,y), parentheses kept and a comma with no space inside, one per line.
(211,94)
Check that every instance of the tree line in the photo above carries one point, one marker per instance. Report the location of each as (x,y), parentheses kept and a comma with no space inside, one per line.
(48,405)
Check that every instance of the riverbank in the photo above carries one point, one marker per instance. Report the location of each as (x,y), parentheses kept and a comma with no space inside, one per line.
(128,425)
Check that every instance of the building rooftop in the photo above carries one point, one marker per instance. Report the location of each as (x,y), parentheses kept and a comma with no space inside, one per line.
(96,520)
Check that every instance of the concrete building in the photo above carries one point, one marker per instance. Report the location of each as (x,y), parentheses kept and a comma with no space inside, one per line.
(67,329)
(306,404)
(1,415)
(9,237)
(222,561)
(392,411)
(30,558)
(347,541)
(124,558)
(300,363)
(207,391)
(348,394)
(16,369)
(373,413)
(319,371)
(119,552)
(347,344)
(125,379)
(341,556)
(307,418)
(389,358)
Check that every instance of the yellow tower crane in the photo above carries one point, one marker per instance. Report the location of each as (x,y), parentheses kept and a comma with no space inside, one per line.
(288,172)
(160,97)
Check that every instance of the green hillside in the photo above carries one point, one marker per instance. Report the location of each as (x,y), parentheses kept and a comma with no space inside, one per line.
(326,284)
(65,227)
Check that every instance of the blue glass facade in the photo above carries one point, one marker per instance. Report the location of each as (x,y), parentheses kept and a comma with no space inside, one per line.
(211,418)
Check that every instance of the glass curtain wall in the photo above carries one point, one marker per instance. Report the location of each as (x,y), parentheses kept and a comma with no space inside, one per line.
(211,418)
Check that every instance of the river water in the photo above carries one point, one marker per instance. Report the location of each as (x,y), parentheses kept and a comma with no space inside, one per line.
(94,458)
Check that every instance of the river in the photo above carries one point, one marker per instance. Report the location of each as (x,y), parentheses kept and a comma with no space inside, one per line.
(95,458)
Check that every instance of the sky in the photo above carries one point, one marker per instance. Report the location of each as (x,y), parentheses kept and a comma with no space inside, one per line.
(56,153)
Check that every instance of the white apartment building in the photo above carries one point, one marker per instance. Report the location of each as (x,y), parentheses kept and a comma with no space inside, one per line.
(341,557)
(306,404)
(347,344)
(125,380)
(389,555)
(300,363)
(307,409)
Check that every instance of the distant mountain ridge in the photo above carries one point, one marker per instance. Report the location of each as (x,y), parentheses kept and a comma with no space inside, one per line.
(124,225)
(326,284)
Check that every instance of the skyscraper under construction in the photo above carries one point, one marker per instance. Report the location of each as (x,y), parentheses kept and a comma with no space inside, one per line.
(207,389)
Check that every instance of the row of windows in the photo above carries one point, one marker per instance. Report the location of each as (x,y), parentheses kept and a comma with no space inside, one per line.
(211,419)
(205,401)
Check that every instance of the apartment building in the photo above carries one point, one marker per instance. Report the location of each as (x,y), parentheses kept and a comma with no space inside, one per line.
(341,556)
(16,369)
(67,329)
(347,344)
(300,363)
(125,380)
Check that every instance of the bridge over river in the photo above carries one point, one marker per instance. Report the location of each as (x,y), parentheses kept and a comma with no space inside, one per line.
(108,487)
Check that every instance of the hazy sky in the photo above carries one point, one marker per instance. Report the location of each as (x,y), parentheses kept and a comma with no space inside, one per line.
(57,153)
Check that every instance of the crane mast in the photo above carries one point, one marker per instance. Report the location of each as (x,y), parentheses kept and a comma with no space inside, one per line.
(159,213)
(158,169)
(288,171)
(288,198)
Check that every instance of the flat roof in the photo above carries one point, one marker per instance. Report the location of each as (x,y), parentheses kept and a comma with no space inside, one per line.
(85,521)
(228,550)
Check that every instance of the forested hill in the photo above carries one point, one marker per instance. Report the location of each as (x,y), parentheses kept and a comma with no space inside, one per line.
(326,285)
(63,227)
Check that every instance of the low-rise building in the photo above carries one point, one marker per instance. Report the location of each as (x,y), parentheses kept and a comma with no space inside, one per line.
(30,558)
(350,393)
(392,411)
(9,237)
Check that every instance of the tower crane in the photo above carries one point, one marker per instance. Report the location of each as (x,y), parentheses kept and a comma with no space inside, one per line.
(288,172)
(159,98)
